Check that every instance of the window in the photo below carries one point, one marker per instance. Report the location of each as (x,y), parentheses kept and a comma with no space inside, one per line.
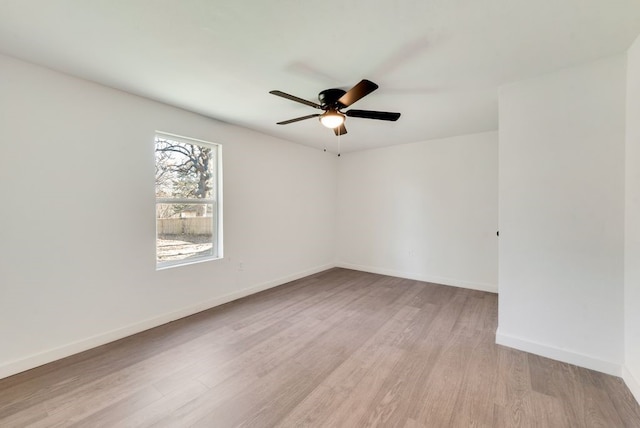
(188,200)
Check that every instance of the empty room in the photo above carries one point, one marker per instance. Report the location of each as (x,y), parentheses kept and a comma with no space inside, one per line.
(322,214)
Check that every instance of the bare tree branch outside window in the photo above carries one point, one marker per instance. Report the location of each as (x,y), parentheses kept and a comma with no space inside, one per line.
(183,170)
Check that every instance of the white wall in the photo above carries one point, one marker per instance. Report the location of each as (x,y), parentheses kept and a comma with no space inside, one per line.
(77,246)
(632,223)
(562,215)
(425,211)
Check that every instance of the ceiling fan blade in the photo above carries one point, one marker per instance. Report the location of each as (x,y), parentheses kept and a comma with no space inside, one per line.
(297,119)
(362,89)
(370,114)
(296,99)
(340,130)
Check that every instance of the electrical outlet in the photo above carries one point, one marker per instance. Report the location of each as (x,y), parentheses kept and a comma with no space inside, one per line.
(241,266)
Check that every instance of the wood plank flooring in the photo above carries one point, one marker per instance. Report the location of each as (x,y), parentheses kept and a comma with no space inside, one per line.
(337,349)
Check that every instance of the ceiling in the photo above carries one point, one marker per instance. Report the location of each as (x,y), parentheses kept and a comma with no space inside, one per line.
(438,62)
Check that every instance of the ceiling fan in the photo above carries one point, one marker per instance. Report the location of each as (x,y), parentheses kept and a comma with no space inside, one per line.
(332,101)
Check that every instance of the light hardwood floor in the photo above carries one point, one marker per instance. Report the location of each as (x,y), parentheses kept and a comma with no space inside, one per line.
(336,349)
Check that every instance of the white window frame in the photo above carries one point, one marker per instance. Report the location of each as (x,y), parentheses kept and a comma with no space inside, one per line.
(217,239)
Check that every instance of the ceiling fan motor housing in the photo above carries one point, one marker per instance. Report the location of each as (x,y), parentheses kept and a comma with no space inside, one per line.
(330,97)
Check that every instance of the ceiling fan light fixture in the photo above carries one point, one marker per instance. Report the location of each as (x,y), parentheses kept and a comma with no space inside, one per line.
(332,119)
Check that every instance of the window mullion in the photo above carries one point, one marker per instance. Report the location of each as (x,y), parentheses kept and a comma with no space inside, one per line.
(184,201)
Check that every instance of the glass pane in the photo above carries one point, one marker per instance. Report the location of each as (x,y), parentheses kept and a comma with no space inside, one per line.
(184,170)
(184,232)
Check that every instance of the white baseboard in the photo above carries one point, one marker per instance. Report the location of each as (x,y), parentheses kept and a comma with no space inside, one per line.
(493,288)
(564,355)
(48,356)
(632,382)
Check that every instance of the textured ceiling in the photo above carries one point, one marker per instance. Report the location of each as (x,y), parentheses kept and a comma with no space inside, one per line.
(438,62)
